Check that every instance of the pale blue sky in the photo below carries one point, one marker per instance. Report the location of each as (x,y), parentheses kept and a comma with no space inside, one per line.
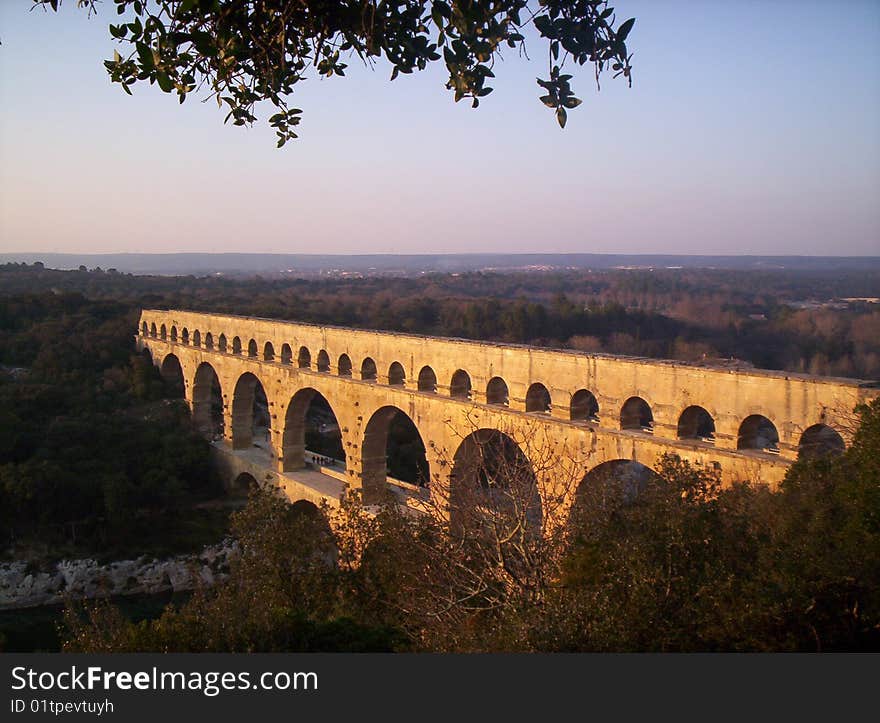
(751,127)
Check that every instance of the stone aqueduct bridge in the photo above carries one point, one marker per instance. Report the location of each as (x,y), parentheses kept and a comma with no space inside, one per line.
(749,424)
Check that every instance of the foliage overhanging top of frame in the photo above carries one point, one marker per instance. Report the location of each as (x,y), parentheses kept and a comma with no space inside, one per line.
(242,52)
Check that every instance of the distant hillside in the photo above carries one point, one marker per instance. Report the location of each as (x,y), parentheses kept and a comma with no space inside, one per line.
(308,264)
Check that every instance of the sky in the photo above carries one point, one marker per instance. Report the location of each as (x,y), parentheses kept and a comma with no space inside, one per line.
(752,127)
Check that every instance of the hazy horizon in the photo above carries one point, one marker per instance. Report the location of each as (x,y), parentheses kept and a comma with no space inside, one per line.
(244,264)
(745,133)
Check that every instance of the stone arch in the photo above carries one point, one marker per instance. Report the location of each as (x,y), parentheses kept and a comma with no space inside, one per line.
(396,375)
(243,484)
(460,385)
(144,329)
(310,424)
(538,399)
(209,340)
(584,406)
(368,370)
(173,333)
(492,482)
(236,345)
(312,524)
(323,364)
(427,380)
(172,373)
(606,487)
(309,513)
(286,354)
(306,508)
(497,392)
(636,414)
(153,331)
(184,335)
(758,432)
(252,349)
(696,423)
(344,366)
(163,332)
(250,413)
(820,440)
(304,358)
(197,338)
(207,402)
(221,342)
(392,447)
(268,352)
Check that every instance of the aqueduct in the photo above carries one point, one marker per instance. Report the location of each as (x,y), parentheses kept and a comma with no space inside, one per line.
(239,374)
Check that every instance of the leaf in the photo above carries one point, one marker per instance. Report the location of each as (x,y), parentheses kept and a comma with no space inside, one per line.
(165,83)
(624,29)
(442,9)
(204,43)
(544,25)
(572,102)
(561,116)
(145,53)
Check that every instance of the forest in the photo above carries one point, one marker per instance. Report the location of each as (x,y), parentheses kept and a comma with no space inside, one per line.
(774,319)
(682,566)
(95,457)
(98,457)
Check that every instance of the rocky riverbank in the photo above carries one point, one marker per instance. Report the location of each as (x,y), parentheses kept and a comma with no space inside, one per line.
(22,586)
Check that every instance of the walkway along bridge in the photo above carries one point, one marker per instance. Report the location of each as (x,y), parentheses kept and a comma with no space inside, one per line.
(587,409)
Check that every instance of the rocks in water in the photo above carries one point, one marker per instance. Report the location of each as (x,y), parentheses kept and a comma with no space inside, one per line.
(21,586)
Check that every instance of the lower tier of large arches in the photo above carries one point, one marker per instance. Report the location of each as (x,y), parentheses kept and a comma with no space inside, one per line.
(502,492)
(375,437)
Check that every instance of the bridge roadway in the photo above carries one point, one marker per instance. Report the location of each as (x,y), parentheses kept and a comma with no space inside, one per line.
(316,482)
(568,412)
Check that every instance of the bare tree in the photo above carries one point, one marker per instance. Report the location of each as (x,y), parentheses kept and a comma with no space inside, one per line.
(481,550)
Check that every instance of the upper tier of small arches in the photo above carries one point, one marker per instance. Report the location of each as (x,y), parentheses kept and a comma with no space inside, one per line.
(694,423)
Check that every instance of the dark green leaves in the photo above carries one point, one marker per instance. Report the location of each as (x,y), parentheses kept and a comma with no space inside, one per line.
(165,83)
(545,26)
(284,122)
(559,96)
(561,116)
(204,43)
(623,30)
(242,52)
(145,55)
